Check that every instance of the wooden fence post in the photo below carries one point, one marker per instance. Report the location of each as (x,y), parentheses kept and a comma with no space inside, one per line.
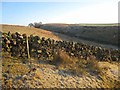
(28,53)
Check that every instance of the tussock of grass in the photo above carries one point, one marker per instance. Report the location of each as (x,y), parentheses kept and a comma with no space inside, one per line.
(61,58)
(92,66)
(75,65)
(108,82)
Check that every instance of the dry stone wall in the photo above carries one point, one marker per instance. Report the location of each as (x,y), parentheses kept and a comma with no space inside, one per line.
(41,48)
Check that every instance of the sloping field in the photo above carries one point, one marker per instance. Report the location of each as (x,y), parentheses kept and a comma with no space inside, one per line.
(29,31)
(49,34)
(33,73)
(100,33)
(16,74)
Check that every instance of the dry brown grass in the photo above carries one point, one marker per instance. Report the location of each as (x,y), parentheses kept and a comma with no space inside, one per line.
(29,31)
(85,67)
(62,58)
(12,65)
(75,65)
(93,66)
(107,76)
(108,81)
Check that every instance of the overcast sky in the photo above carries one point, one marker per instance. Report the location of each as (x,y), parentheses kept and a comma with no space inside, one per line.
(86,11)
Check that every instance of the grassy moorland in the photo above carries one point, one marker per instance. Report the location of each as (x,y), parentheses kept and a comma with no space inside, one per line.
(28,31)
(100,33)
(63,34)
(61,72)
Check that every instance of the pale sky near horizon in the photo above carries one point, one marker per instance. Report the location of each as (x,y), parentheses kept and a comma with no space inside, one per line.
(88,11)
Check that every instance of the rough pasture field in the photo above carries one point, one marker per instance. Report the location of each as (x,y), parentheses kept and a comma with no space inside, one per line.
(100,33)
(35,73)
(40,74)
(50,34)
(28,31)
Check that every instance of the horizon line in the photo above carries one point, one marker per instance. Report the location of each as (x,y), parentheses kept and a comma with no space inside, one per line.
(68,24)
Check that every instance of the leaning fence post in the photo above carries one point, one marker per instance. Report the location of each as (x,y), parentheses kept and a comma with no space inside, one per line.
(28,54)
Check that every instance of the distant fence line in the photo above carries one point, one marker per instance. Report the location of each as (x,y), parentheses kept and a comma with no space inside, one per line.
(21,45)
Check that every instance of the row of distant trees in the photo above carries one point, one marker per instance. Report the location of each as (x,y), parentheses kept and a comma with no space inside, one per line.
(35,24)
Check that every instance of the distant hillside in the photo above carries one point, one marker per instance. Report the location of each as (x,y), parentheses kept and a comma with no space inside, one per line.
(29,31)
(50,34)
(100,33)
